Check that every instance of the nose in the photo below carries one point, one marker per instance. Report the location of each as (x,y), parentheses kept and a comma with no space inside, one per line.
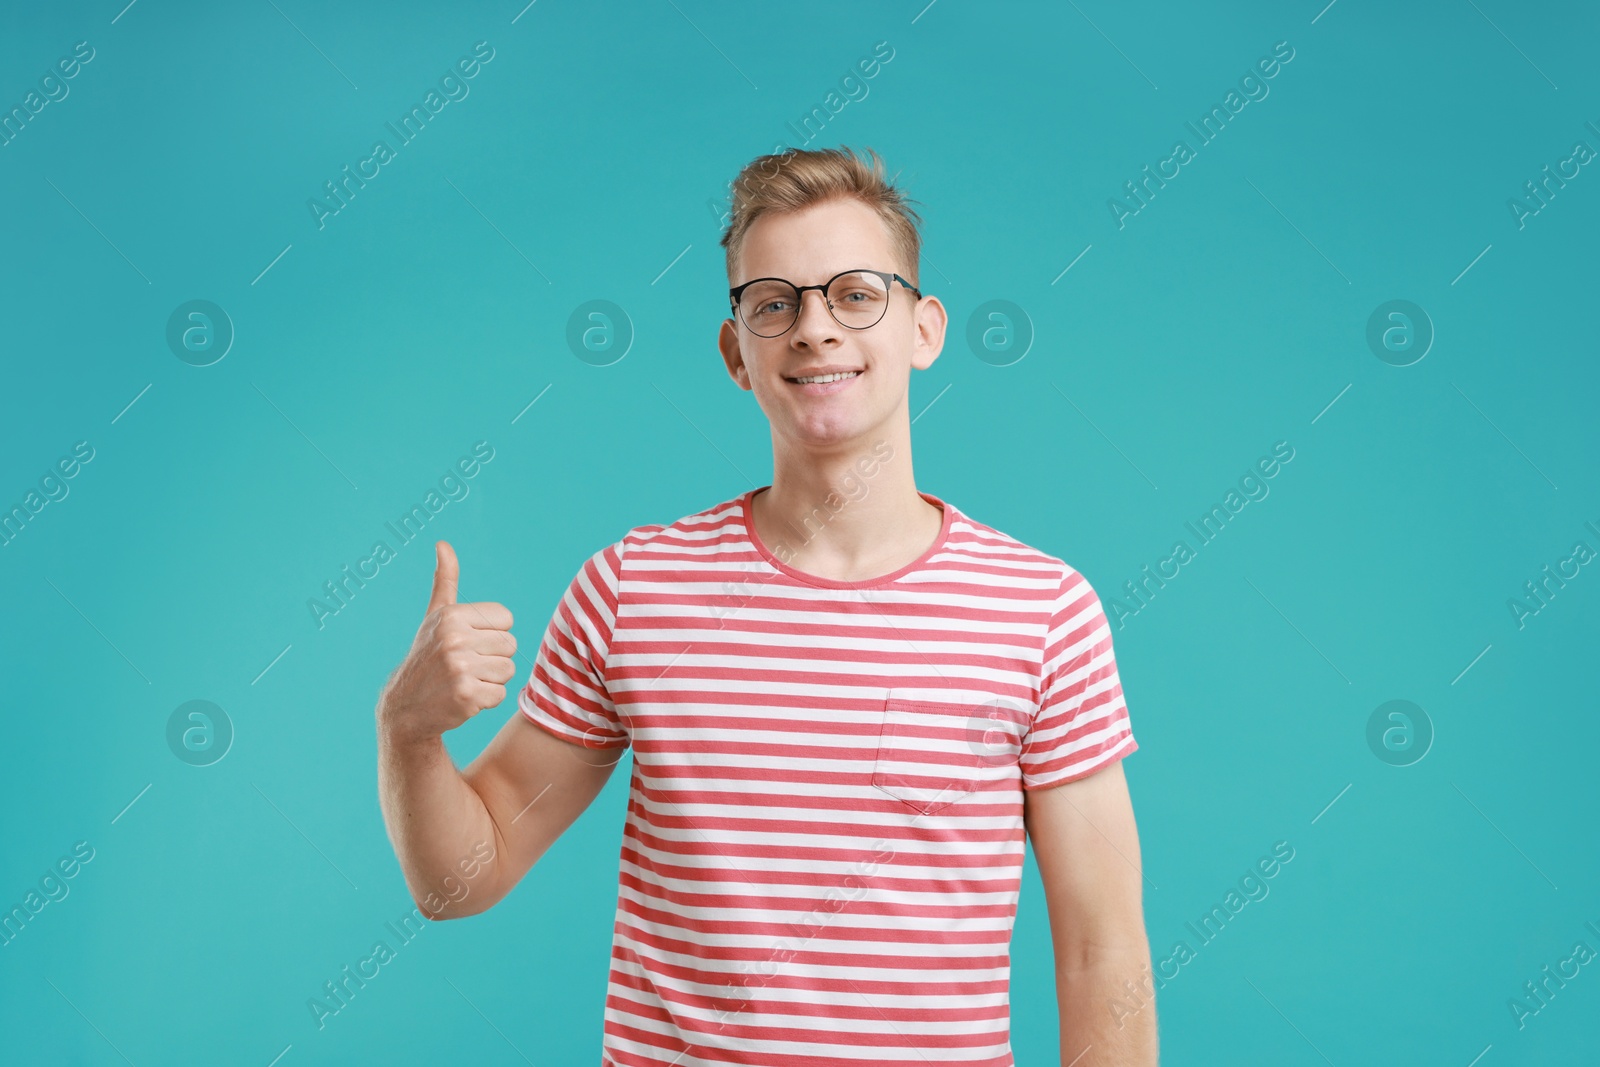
(816,323)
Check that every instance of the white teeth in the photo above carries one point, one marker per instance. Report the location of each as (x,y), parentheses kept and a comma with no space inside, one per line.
(827,377)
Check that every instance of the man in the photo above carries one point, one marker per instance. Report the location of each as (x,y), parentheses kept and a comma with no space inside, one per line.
(847,701)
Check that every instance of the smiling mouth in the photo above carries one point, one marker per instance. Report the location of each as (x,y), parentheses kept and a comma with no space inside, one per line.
(825,378)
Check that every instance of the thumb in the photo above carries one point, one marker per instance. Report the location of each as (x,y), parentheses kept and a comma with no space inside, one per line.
(446,576)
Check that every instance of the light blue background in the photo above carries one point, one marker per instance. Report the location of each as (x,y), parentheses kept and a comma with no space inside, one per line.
(1227,315)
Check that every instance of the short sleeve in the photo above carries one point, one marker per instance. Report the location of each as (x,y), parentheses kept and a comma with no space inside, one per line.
(1082,723)
(566,692)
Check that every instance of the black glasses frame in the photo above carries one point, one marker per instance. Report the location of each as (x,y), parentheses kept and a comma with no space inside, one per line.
(888,278)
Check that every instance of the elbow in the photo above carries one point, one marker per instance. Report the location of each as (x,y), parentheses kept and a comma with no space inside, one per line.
(432,916)
(470,886)
(473,899)
(450,909)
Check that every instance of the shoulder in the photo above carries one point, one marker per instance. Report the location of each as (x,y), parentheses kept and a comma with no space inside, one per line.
(695,532)
(1046,578)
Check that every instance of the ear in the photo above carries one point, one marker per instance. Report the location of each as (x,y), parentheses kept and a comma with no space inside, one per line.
(929,324)
(732,358)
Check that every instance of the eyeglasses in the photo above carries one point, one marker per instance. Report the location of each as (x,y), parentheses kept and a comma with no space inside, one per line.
(856,299)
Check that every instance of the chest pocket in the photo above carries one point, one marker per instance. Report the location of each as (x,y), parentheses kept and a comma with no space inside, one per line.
(932,753)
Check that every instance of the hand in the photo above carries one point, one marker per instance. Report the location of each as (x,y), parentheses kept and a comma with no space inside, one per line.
(458,665)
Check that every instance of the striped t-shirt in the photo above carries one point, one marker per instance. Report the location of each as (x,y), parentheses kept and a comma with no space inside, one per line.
(824,838)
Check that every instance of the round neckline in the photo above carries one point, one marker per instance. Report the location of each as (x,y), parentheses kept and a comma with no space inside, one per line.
(747,518)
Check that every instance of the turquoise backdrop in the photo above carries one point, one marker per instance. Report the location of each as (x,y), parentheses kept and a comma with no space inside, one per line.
(1119,359)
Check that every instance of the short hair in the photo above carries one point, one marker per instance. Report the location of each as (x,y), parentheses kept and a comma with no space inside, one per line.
(799,178)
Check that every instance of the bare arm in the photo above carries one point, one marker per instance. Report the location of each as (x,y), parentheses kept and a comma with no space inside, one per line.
(511,804)
(464,839)
(1087,846)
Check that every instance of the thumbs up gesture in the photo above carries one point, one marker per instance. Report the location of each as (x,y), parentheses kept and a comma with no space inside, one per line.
(458,664)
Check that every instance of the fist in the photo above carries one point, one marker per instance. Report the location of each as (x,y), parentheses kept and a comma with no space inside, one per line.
(458,665)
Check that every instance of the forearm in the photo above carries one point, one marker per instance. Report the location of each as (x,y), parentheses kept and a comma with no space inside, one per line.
(1108,1011)
(439,826)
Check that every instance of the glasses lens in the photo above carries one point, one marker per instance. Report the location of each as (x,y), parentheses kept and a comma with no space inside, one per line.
(768,307)
(858,299)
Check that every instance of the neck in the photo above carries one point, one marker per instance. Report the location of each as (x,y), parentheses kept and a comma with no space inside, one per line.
(850,515)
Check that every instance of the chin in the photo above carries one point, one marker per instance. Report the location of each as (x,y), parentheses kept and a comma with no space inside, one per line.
(833,430)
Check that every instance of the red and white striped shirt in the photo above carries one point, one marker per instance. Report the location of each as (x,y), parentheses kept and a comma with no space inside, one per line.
(824,840)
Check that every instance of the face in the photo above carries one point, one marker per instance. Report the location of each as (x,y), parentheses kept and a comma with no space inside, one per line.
(808,247)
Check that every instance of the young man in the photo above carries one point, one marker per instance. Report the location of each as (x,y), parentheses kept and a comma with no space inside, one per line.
(847,701)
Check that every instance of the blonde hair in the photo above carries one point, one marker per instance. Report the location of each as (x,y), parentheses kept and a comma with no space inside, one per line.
(798,178)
